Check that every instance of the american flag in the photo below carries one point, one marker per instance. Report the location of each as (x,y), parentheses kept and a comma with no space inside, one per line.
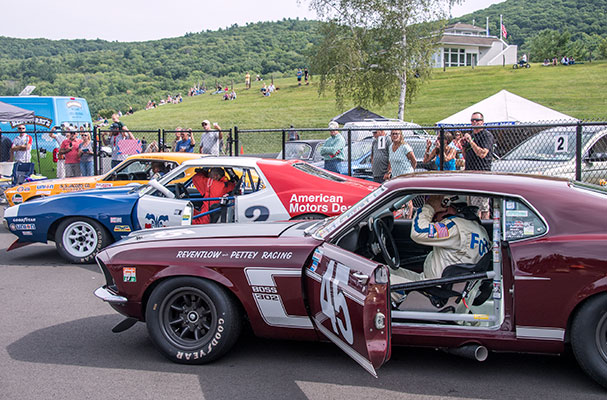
(504,32)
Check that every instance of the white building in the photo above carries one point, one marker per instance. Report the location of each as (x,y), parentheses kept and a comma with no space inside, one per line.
(467,45)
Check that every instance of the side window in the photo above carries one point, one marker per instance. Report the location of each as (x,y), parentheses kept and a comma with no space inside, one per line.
(521,222)
(251,180)
(598,152)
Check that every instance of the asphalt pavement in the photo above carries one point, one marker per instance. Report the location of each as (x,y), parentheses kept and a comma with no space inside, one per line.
(57,343)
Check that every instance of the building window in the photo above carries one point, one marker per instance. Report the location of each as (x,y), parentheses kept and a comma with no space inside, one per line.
(457,57)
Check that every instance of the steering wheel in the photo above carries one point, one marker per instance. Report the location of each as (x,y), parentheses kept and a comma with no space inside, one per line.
(386,243)
(181,192)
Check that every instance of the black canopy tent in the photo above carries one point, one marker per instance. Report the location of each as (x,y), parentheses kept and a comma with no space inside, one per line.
(9,113)
(357,114)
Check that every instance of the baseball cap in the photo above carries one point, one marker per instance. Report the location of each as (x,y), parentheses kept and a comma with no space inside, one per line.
(206,122)
(333,125)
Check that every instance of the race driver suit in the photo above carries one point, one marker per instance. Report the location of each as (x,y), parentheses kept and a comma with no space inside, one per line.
(454,240)
(209,188)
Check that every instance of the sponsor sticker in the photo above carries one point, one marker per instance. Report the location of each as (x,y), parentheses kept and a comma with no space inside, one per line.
(12,227)
(46,186)
(103,185)
(24,219)
(25,227)
(177,212)
(115,220)
(122,228)
(27,233)
(23,189)
(129,274)
(17,199)
(516,213)
(316,257)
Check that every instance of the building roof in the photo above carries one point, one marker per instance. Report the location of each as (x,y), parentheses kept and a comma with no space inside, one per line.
(481,41)
(462,26)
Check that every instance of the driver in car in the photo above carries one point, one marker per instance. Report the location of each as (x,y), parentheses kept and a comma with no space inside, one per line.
(455,233)
(211,184)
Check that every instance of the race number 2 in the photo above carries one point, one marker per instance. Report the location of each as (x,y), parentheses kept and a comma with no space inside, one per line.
(332,300)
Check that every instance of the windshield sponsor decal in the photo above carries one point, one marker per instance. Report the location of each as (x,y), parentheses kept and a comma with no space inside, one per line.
(316,257)
(316,203)
(129,274)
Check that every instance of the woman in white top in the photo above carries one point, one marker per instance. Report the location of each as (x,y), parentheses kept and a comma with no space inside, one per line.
(401,157)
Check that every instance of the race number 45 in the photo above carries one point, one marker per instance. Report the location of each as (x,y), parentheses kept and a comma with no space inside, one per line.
(332,300)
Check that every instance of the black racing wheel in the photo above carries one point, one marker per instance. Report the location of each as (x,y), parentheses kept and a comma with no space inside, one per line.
(386,243)
(181,192)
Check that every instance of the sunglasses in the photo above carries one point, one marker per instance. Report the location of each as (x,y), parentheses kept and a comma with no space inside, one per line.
(476,119)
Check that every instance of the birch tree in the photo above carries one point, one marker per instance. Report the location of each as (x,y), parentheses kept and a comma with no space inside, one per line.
(372,50)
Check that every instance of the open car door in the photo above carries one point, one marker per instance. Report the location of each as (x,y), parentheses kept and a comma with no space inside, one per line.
(348,299)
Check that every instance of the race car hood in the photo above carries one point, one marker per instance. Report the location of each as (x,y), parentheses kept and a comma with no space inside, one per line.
(209,231)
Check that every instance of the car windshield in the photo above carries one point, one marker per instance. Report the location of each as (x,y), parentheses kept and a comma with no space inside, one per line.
(549,145)
(321,173)
(331,224)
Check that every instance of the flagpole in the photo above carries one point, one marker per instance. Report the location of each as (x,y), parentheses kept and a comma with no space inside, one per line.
(487,26)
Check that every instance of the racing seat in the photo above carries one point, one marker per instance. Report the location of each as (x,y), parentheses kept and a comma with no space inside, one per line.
(439,291)
(21,171)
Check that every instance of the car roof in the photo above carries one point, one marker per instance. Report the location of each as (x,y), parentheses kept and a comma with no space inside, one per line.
(172,156)
(240,161)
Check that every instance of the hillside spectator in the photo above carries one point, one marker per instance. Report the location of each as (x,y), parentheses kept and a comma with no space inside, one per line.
(211,141)
(178,137)
(306,76)
(299,74)
(271,88)
(85,152)
(59,138)
(247,80)
(22,146)
(332,150)
(69,148)
(546,62)
(5,148)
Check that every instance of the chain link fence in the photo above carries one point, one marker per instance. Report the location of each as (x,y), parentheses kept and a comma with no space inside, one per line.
(575,150)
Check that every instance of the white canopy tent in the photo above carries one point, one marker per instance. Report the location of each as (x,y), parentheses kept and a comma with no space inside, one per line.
(505,108)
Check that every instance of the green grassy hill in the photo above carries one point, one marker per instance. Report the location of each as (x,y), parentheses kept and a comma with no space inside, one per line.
(578,90)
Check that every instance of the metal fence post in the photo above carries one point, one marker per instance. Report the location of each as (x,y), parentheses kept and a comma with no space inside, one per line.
(236,150)
(95,151)
(160,141)
(441,138)
(283,145)
(350,152)
(578,151)
(230,142)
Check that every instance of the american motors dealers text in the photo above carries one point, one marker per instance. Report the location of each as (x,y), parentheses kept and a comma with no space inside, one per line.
(309,203)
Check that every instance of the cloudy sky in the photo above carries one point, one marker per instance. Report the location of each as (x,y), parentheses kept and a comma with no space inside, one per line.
(139,20)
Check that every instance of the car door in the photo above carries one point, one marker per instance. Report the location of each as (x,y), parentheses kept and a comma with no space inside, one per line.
(348,300)
(159,212)
(257,201)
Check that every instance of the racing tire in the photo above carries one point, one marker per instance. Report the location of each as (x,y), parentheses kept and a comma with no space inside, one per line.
(310,216)
(192,320)
(527,65)
(589,338)
(79,239)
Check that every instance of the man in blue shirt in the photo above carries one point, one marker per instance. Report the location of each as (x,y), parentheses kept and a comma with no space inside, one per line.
(333,149)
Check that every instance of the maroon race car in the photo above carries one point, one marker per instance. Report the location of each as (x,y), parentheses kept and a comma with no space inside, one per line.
(541,286)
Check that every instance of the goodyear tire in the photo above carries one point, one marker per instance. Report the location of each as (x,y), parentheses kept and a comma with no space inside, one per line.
(589,338)
(79,239)
(192,320)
